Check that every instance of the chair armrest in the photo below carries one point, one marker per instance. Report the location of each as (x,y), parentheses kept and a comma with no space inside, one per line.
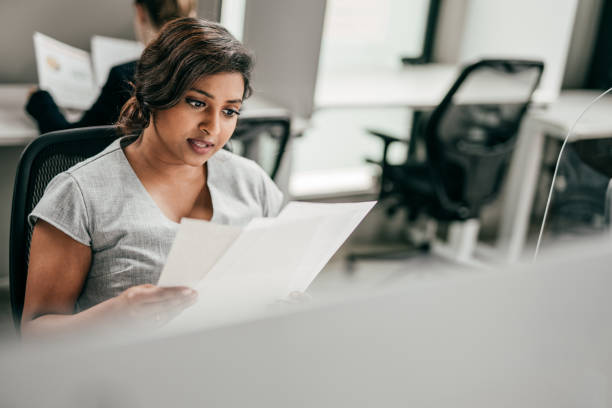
(388,139)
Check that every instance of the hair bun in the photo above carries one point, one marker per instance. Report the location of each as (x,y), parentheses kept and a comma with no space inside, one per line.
(134,116)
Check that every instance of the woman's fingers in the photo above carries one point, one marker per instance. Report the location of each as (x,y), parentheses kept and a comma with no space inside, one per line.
(151,307)
(155,294)
(296,294)
(299,297)
(155,304)
(32,89)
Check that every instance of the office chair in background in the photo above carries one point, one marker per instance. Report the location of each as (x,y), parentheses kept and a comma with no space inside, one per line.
(469,138)
(596,155)
(263,138)
(55,152)
(579,206)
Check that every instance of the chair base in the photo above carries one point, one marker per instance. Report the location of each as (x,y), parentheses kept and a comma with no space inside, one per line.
(462,238)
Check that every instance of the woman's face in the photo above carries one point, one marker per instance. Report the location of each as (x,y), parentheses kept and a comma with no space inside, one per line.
(203,121)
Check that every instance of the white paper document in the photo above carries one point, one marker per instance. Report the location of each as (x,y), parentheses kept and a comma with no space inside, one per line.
(65,72)
(237,269)
(106,52)
(68,73)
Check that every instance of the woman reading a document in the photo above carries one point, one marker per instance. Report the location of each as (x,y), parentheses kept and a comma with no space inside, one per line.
(103,228)
(149,17)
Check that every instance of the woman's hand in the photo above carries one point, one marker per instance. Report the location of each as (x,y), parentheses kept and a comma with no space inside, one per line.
(154,306)
(33,88)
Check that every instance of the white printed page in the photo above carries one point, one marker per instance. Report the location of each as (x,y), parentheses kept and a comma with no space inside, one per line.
(269,250)
(337,222)
(106,52)
(65,72)
(251,276)
(244,271)
(198,245)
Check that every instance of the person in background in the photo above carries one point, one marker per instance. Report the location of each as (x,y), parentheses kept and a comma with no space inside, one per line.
(149,17)
(103,229)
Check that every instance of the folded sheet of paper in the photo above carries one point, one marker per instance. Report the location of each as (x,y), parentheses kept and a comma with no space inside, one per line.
(237,270)
(106,52)
(65,72)
(69,73)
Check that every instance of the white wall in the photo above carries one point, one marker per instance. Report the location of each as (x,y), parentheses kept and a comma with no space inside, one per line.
(70,21)
(367,35)
(539,29)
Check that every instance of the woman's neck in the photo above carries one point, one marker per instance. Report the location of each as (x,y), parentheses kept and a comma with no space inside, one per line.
(148,35)
(149,155)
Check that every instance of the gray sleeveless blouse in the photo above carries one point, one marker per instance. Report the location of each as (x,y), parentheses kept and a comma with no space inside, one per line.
(101,203)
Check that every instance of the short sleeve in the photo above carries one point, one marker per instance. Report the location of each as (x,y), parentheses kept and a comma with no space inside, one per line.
(63,206)
(274,199)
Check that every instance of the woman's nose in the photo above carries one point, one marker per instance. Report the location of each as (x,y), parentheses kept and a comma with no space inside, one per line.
(210,124)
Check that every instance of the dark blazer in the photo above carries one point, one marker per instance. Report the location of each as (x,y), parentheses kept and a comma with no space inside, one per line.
(105,111)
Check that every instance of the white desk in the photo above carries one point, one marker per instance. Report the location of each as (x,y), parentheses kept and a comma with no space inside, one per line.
(524,171)
(16,127)
(416,87)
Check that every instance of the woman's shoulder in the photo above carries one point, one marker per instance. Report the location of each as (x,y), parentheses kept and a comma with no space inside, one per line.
(98,166)
(236,164)
(246,181)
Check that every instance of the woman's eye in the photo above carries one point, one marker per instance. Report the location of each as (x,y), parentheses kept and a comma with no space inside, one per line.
(230,112)
(195,103)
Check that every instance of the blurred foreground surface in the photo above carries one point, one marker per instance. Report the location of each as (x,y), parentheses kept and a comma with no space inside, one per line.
(529,335)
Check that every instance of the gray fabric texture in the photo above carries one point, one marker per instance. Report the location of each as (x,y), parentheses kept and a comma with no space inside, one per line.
(101,203)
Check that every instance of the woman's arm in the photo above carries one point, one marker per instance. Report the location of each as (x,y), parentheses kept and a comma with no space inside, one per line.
(57,270)
(44,110)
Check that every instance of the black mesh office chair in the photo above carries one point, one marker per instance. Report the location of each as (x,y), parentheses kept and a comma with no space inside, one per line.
(45,157)
(578,202)
(469,138)
(55,152)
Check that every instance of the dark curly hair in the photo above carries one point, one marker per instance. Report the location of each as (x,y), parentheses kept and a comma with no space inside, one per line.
(185,50)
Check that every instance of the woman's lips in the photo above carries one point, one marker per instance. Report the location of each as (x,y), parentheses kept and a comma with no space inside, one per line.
(200,146)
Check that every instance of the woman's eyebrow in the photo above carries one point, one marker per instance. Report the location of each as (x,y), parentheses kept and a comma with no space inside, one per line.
(239,100)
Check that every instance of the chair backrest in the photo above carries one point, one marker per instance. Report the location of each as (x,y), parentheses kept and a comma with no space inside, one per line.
(472,132)
(45,157)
